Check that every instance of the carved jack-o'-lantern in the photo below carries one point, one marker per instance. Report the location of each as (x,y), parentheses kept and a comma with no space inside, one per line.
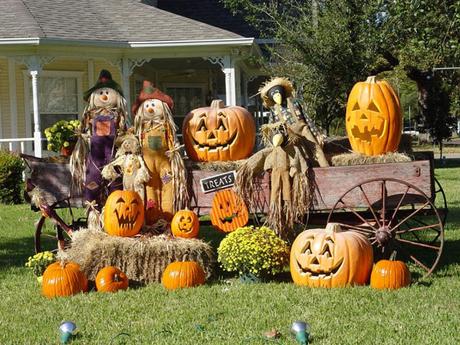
(219,133)
(185,223)
(373,118)
(228,211)
(330,258)
(123,213)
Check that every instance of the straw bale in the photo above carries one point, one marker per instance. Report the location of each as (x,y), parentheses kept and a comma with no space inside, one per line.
(143,259)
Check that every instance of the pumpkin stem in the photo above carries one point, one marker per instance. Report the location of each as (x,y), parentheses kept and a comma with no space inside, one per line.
(333,227)
(116,278)
(371,79)
(217,104)
(393,255)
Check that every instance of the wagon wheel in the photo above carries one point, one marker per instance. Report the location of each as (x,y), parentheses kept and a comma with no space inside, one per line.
(397,217)
(47,231)
(440,200)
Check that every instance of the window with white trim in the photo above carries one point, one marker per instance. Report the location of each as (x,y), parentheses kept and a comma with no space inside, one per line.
(60,97)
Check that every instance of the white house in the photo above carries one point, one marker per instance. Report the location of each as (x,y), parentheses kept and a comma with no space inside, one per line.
(51,51)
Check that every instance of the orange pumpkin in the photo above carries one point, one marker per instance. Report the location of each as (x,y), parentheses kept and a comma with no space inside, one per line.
(330,258)
(111,279)
(185,223)
(182,274)
(219,133)
(123,213)
(63,279)
(228,211)
(389,274)
(373,118)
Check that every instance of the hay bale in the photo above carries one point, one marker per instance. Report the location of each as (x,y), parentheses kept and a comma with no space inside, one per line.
(143,259)
(359,159)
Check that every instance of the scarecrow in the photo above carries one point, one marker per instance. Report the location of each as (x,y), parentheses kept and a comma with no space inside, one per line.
(129,160)
(293,145)
(166,191)
(104,118)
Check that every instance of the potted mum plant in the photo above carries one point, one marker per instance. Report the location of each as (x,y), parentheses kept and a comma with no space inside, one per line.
(255,253)
(39,262)
(61,136)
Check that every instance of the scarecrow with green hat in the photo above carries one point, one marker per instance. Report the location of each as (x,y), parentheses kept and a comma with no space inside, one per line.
(104,118)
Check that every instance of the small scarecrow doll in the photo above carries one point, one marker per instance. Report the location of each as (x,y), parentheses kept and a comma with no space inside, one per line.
(166,191)
(104,118)
(129,161)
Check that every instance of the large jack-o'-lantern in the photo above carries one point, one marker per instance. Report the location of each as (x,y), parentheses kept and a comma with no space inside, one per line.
(330,258)
(219,133)
(123,213)
(228,211)
(373,118)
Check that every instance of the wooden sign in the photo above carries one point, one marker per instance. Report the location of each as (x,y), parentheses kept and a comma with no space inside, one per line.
(216,182)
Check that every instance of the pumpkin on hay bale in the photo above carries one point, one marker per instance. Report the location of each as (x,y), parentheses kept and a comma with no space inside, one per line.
(142,259)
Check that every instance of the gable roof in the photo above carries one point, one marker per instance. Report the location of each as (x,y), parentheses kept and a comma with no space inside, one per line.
(101,20)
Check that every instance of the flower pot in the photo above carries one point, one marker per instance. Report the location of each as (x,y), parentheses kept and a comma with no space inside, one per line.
(67,151)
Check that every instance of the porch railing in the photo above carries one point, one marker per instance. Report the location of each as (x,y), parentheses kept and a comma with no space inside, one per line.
(17,145)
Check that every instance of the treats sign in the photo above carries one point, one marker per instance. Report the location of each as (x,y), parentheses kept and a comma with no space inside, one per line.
(216,182)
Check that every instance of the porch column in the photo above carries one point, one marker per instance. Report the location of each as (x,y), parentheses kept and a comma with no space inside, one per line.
(37,133)
(126,71)
(13,100)
(230,80)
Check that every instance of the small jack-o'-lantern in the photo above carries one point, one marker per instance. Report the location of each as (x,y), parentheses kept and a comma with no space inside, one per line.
(228,211)
(373,118)
(185,223)
(123,213)
(219,133)
(330,258)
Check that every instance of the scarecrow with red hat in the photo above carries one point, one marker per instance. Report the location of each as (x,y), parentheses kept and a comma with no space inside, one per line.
(104,118)
(166,191)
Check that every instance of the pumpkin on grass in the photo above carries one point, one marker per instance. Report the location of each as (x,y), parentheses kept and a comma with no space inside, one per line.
(228,211)
(219,133)
(63,279)
(111,279)
(123,213)
(182,274)
(373,118)
(185,224)
(390,274)
(330,258)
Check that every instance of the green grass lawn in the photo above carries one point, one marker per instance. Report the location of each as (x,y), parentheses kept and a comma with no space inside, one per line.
(226,311)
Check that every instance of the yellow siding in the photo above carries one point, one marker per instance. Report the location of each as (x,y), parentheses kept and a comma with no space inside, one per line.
(4,99)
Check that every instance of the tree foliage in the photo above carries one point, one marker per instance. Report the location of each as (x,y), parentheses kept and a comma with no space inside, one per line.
(327,46)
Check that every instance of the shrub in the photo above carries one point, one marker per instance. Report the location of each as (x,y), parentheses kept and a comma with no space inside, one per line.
(253,250)
(11,168)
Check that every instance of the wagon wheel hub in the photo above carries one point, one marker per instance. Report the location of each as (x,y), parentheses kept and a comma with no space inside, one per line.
(383,236)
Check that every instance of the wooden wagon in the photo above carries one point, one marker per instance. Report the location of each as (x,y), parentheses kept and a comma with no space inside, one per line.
(400,207)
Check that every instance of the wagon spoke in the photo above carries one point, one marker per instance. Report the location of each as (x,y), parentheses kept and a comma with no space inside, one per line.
(411,215)
(414,259)
(370,206)
(356,214)
(357,228)
(418,244)
(399,205)
(384,194)
(420,228)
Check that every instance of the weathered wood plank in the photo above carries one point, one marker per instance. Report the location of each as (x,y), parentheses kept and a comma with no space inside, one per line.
(333,182)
